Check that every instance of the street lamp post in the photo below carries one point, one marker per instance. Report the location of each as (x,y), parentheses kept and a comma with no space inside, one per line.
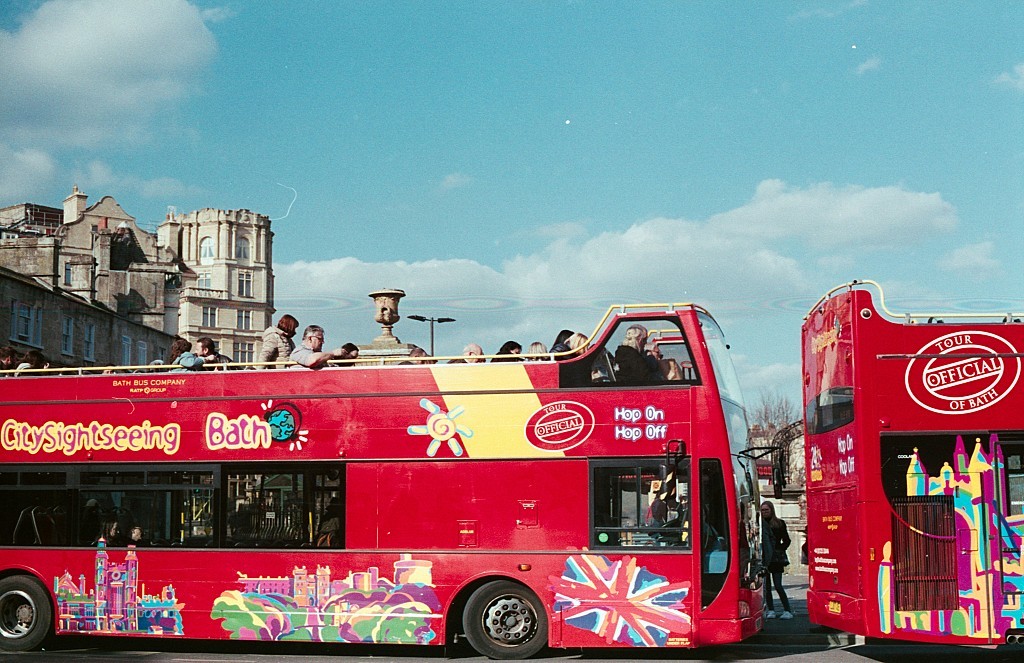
(421,318)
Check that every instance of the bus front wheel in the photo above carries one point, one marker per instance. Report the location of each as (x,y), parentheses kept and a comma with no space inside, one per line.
(25,614)
(504,620)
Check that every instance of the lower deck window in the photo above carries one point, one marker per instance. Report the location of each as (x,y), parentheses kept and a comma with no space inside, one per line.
(636,506)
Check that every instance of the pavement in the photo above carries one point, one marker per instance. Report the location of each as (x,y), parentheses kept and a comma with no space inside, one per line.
(799,630)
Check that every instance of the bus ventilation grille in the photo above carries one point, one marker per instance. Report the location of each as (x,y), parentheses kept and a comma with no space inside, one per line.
(924,553)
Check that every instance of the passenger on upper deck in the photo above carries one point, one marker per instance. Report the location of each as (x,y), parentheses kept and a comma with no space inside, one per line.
(33,359)
(471,353)
(181,355)
(310,354)
(509,351)
(561,343)
(668,369)
(632,368)
(8,358)
(277,341)
(207,351)
(537,348)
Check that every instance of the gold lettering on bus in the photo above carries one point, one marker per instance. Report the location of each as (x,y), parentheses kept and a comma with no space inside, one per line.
(824,339)
(57,437)
(245,432)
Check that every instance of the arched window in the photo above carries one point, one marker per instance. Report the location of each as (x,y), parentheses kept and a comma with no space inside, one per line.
(206,250)
(241,249)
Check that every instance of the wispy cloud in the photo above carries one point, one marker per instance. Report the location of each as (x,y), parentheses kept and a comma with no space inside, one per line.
(974,262)
(218,14)
(455,181)
(828,10)
(869,65)
(1012,79)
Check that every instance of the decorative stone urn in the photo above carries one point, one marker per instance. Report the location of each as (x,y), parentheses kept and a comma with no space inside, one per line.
(386,303)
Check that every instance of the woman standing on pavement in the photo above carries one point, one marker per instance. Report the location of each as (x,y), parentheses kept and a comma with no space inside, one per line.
(774,541)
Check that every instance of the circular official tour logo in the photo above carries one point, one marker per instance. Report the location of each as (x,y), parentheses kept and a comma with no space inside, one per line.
(560,426)
(970,374)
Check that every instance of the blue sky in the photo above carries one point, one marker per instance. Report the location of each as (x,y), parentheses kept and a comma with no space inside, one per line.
(520,166)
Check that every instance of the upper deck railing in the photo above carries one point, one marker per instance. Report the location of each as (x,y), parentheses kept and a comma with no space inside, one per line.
(613,314)
(914,318)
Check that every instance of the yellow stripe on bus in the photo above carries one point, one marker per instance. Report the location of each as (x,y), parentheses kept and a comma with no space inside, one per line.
(497,421)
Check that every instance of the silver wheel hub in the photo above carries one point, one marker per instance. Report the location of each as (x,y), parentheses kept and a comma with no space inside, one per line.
(509,620)
(17,611)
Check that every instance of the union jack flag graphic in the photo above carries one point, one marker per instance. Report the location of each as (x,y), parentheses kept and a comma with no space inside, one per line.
(620,601)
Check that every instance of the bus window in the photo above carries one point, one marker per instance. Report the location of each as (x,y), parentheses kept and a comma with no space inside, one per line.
(714,529)
(35,508)
(266,510)
(635,506)
(165,508)
(829,410)
(329,513)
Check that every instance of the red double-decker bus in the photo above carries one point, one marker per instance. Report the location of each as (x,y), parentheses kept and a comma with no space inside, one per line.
(517,504)
(915,470)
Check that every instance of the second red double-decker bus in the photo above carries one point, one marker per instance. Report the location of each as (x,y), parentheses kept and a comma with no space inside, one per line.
(520,504)
(915,471)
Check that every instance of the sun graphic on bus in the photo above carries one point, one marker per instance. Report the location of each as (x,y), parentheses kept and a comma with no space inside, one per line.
(285,420)
(442,427)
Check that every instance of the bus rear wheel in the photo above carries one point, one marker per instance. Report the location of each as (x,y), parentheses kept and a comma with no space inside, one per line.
(25,614)
(506,621)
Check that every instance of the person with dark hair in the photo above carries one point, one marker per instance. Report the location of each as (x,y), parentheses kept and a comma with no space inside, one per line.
(352,349)
(207,351)
(561,343)
(33,359)
(182,358)
(509,351)
(774,541)
(277,341)
(8,358)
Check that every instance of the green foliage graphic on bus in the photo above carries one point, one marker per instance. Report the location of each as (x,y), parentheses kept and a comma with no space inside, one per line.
(362,607)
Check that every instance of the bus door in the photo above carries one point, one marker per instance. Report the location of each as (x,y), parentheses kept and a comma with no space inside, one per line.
(1008,523)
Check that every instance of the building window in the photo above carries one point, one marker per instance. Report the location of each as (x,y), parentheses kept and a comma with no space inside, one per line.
(67,335)
(241,249)
(209,316)
(67,273)
(89,341)
(126,351)
(206,250)
(245,284)
(142,352)
(205,281)
(244,320)
(27,324)
(245,352)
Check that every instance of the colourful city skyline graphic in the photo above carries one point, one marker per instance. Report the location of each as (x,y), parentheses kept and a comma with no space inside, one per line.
(990,578)
(362,607)
(622,602)
(115,604)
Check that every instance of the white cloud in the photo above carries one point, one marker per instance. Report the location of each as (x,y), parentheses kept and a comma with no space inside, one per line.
(974,262)
(1012,79)
(455,181)
(25,172)
(869,65)
(745,265)
(77,72)
(218,14)
(825,217)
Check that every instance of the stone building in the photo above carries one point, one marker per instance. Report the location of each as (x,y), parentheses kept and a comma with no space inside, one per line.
(71,330)
(204,273)
(228,289)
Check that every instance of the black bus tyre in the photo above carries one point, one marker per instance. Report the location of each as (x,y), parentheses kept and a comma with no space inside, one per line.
(506,621)
(25,614)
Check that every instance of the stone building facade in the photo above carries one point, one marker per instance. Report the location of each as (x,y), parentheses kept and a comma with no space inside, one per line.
(204,273)
(69,329)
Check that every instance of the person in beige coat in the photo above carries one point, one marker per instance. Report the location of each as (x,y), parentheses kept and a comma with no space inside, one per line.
(277,341)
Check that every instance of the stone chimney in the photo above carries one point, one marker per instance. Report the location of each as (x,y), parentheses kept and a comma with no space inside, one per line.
(74,205)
